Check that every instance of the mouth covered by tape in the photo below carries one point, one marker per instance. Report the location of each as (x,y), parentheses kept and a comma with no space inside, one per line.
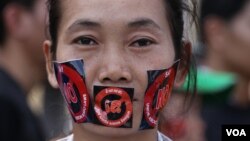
(113,106)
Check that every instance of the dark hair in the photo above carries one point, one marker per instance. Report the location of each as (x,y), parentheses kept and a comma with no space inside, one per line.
(175,10)
(3,3)
(223,9)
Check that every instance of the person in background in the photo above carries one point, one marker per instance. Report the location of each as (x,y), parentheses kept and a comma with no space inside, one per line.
(225,31)
(22,32)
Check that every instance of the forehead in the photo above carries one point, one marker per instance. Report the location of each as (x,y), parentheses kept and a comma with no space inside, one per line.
(113,10)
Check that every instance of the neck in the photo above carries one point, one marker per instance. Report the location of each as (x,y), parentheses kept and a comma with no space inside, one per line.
(241,95)
(81,134)
(18,64)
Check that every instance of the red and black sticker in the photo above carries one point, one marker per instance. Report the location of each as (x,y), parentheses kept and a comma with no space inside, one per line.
(160,84)
(71,79)
(113,106)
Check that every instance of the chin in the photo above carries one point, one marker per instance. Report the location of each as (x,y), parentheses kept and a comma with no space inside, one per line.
(108,131)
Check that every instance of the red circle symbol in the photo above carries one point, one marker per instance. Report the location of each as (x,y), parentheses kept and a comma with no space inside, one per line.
(113,106)
(73,96)
(150,110)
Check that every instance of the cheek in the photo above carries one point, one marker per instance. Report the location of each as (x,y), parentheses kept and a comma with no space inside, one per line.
(241,29)
(91,68)
(157,60)
(137,64)
(162,59)
(241,46)
(65,52)
(61,55)
(237,51)
(243,33)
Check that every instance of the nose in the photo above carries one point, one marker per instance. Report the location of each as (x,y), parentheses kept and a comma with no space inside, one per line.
(114,68)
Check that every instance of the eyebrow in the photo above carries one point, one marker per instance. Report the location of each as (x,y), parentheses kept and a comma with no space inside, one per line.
(143,22)
(84,23)
(137,23)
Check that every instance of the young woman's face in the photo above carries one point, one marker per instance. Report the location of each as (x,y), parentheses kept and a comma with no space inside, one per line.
(119,41)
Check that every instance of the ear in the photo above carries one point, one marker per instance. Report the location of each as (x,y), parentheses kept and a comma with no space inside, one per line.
(49,64)
(184,63)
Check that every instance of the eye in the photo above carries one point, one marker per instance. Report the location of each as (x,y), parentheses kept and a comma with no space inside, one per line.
(142,43)
(85,41)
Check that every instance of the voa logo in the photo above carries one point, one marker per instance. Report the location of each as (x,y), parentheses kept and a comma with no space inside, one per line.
(236,132)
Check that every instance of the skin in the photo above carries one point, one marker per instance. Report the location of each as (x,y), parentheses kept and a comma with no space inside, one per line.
(228,50)
(191,123)
(119,40)
(240,61)
(22,55)
(36,31)
(229,42)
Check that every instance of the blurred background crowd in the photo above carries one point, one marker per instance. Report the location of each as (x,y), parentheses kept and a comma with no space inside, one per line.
(221,46)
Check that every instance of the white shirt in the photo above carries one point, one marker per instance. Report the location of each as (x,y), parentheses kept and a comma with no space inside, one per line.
(161,137)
